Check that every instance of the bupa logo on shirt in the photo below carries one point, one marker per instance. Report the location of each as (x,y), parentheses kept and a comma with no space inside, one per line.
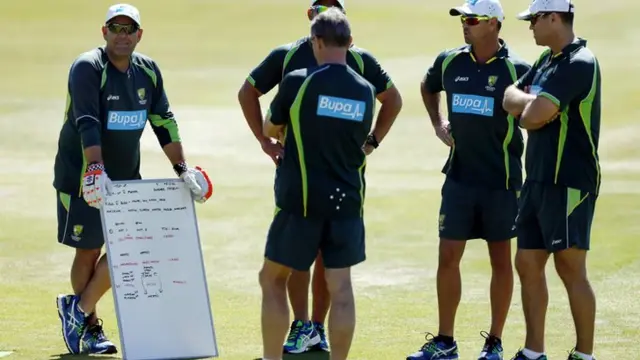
(472,104)
(535,90)
(126,120)
(341,108)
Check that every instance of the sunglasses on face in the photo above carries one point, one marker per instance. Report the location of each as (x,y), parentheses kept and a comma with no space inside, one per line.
(535,17)
(122,28)
(473,20)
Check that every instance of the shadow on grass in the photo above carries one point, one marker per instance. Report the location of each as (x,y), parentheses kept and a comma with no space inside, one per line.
(314,355)
(83,357)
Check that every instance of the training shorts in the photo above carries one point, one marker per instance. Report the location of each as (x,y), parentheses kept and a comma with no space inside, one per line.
(476,212)
(294,241)
(554,217)
(79,224)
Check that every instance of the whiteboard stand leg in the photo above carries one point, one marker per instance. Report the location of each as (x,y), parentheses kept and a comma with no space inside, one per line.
(112,277)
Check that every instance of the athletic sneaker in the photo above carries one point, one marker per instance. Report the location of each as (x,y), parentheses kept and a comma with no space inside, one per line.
(573,356)
(302,337)
(95,342)
(435,349)
(323,345)
(492,349)
(74,321)
(520,356)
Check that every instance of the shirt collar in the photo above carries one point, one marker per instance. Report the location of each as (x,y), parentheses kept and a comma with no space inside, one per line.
(502,53)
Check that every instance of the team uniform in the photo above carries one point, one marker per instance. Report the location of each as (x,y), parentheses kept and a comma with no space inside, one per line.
(320,184)
(267,75)
(484,168)
(299,55)
(119,104)
(562,163)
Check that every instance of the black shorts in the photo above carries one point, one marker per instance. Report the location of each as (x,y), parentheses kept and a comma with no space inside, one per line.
(468,212)
(79,224)
(554,217)
(294,241)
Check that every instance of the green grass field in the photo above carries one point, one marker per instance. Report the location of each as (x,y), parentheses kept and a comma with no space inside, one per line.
(206,49)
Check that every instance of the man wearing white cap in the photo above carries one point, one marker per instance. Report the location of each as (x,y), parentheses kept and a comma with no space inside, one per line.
(558,102)
(483,170)
(307,332)
(112,92)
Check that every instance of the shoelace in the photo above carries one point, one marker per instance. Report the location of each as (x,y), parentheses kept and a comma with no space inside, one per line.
(518,356)
(293,335)
(489,343)
(573,356)
(430,342)
(96,331)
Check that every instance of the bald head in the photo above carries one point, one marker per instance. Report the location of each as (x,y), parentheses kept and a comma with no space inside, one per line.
(332,27)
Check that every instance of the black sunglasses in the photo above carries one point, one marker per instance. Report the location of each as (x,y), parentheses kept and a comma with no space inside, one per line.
(123,28)
(535,17)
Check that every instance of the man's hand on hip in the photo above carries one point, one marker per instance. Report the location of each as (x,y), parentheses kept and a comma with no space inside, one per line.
(272,148)
(443,132)
(197,180)
(96,185)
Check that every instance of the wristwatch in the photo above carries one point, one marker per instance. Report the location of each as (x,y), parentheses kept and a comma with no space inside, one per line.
(371,140)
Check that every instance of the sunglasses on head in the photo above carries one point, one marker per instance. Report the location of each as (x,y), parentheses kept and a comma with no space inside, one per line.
(122,28)
(473,20)
(318,9)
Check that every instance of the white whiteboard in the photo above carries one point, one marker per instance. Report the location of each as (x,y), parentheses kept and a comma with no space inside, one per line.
(157,271)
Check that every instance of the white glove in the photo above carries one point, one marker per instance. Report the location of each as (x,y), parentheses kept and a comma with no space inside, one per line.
(96,185)
(197,181)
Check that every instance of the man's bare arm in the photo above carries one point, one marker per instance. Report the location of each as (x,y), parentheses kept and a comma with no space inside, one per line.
(93,154)
(174,153)
(515,100)
(249,99)
(538,113)
(391,105)
(431,102)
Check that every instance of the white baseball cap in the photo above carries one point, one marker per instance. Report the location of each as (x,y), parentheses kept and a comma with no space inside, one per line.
(340,2)
(491,8)
(127,10)
(546,6)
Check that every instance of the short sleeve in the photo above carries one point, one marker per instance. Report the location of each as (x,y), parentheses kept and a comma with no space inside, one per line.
(268,73)
(570,80)
(84,90)
(374,73)
(526,79)
(521,69)
(433,78)
(284,98)
(161,117)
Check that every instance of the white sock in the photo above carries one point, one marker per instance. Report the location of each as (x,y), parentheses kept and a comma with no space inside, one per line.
(531,354)
(583,356)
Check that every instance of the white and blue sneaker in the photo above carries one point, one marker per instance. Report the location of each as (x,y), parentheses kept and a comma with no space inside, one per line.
(95,342)
(74,321)
(302,337)
(492,349)
(436,349)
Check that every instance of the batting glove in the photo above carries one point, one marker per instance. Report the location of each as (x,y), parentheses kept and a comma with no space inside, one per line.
(96,185)
(197,181)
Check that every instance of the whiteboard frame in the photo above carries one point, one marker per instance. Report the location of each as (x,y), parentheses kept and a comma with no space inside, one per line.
(202,268)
